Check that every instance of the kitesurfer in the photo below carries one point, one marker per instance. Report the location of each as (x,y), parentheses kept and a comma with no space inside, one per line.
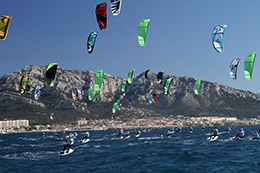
(138,132)
(120,133)
(161,136)
(191,129)
(127,134)
(256,136)
(70,142)
(172,130)
(203,128)
(179,130)
(168,134)
(43,134)
(75,135)
(240,134)
(228,130)
(86,135)
(215,133)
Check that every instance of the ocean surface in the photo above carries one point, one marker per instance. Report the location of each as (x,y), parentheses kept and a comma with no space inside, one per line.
(182,152)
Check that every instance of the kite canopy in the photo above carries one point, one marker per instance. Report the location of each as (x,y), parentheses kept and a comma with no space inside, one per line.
(130,101)
(218,37)
(4,26)
(91,41)
(233,68)
(150,99)
(160,77)
(37,91)
(142,31)
(51,73)
(124,86)
(115,107)
(167,85)
(51,116)
(98,83)
(197,87)
(131,75)
(115,6)
(90,94)
(24,84)
(79,87)
(154,97)
(74,93)
(101,13)
(249,65)
(146,73)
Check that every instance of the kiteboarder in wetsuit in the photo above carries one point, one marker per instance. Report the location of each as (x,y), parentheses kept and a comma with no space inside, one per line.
(215,133)
(86,136)
(70,142)
(120,133)
(256,136)
(240,134)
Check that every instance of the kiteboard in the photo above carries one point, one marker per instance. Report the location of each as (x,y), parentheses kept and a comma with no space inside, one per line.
(137,135)
(84,140)
(191,131)
(234,137)
(127,136)
(66,152)
(212,138)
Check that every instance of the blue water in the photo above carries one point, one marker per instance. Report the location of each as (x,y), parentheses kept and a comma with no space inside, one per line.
(183,152)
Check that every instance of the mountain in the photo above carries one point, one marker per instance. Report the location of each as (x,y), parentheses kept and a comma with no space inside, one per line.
(213,99)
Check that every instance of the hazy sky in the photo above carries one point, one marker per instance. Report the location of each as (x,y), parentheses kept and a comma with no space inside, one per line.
(179,37)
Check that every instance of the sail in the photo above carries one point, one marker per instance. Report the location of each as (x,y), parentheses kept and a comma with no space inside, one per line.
(90,94)
(131,75)
(249,65)
(37,92)
(123,86)
(24,84)
(197,87)
(167,85)
(101,13)
(91,41)
(51,73)
(146,73)
(116,6)
(98,83)
(160,77)
(4,26)
(218,37)
(233,68)
(142,31)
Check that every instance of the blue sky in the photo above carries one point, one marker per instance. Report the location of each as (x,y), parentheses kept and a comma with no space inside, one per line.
(179,37)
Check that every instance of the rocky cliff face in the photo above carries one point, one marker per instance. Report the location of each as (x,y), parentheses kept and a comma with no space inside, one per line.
(213,99)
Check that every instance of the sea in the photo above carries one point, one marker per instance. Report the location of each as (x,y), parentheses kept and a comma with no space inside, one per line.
(182,152)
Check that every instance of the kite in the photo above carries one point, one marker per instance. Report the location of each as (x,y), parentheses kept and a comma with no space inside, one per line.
(131,75)
(116,6)
(142,31)
(218,37)
(233,68)
(101,13)
(197,87)
(51,73)
(4,26)
(98,83)
(91,41)
(249,65)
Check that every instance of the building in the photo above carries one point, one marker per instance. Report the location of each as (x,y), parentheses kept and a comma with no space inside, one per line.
(13,124)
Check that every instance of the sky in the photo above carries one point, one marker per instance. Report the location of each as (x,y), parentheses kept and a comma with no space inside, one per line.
(179,38)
